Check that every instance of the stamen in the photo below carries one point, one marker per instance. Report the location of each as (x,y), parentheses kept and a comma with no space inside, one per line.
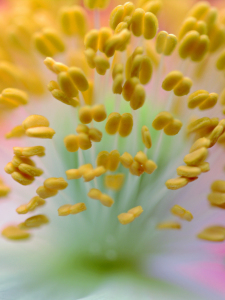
(68,209)
(182,213)
(169,225)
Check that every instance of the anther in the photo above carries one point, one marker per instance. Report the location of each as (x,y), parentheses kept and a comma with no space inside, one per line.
(188,171)
(84,141)
(55,183)
(125,125)
(213,234)
(44,192)
(146,137)
(71,143)
(126,160)
(113,122)
(114,182)
(22,178)
(182,213)
(68,209)
(15,233)
(176,183)
(169,225)
(196,157)
(99,112)
(85,114)
(162,120)
(173,127)
(35,221)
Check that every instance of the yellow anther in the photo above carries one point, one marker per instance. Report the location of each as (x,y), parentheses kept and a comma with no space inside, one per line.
(213,234)
(51,65)
(106,200)
(199,10)
(10,168)
(90,57)
(85,114)
(188,25)
(114,182)
(18,96)
(126,160)
(16,161)
(188,43)
(129,87)
(94,194)
(170,44)
(128,9)
(4,190)
(176,183)
(29,151)
(209,102)
(125,125)
(102,159)
(217,37)
(122,25)
(146,70)
(173,127)
(89,175)
(64,210)
(99,112)
(31,205)
(136,211)
(44,192)
(162,120)
(82,128)
(15,233)
(171,80)
(222,97)
(102,65)
(137,22)
(73,20)
(126,218)
(40,132)
(201,48)
(196,98)
(112,43)
(35,221)
(30,170)
(61,96)
(201,27)
(116,16)
(183,87)
(35,121)
(138,97)
(150,166)
(216,198)
(85,168)
(48,42)
(79,79)
(91,40)
(68,209)
(199,124)
(73,174)
(118,84)
(188,171)
(196,157)
(104,34)
(113,122)
(84,141)
(117,69)
(113,160)
(204,167)
(71,143)
(169,225)
(66,84)
(141,157)
(136,169)
(182,213)
(55,183)
(150,25)
(95,135)
(218,186)
(99,171)
(146,137)
(22,178)
(34,202)
(161,41)
(215,134)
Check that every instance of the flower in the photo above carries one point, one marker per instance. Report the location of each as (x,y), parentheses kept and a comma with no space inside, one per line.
(93,138)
